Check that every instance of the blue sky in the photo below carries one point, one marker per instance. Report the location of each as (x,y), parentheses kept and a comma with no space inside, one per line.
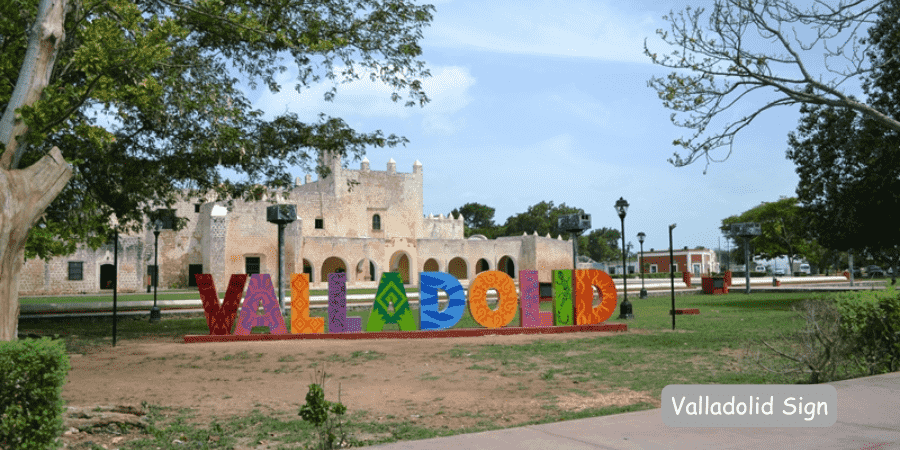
(548,101)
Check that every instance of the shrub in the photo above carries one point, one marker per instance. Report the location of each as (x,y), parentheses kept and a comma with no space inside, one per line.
(31,405)
(820,349)
(872,321)
(318,412)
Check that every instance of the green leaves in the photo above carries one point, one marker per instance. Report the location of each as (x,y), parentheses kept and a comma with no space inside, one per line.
(147,98)
(318,411)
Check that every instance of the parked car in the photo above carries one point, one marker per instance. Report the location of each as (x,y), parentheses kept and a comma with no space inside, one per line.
(804,268)
(874,271)
(857,272)
(779,271)
(760,268)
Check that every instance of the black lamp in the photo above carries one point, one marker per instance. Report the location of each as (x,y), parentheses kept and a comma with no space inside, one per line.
(641,237)
(155,313)
(625,311)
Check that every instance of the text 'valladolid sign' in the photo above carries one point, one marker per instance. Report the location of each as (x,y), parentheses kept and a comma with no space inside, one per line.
(573,308)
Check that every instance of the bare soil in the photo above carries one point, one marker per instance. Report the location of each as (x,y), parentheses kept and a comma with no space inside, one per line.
(390,379)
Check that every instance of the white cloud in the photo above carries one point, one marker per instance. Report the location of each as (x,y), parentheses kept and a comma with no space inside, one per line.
(573,28)
(448,89)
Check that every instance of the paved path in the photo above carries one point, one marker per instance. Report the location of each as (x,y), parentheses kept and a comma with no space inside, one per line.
(868,417)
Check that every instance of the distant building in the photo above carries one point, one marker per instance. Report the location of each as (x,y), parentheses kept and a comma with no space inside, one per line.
(377,227)
(696,261)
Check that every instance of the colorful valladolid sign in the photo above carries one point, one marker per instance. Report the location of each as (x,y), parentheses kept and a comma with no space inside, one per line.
(573,309)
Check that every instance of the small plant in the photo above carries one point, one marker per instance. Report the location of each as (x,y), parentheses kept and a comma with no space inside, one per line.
(318,411)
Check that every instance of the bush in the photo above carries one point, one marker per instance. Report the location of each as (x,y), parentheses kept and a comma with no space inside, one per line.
(31,405)
(318,412)
(820,349)
(872,320)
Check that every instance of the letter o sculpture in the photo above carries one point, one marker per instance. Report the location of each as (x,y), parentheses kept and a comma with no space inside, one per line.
(506,289)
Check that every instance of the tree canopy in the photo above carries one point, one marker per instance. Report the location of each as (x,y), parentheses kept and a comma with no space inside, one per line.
(478,219)
(748,47)
(848,162)
(145,98)
(114,108)
(783,230)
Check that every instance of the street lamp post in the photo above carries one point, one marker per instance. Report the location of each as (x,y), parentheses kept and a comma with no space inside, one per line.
(641,237)
(672,272)
(626,310)
(155,313)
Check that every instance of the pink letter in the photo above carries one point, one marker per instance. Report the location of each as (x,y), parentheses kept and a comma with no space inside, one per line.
(530,314)
(260,291)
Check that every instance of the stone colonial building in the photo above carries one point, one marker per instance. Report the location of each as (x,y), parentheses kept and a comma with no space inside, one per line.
(377,226)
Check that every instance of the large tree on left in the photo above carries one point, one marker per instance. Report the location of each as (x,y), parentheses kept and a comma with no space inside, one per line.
(112,108)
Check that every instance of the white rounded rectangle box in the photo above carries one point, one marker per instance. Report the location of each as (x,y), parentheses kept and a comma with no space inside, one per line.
(749,405)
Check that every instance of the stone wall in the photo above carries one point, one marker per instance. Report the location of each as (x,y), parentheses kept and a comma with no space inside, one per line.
(350,239)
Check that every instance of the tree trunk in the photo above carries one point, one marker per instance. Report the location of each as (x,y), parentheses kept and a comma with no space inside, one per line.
(24,195)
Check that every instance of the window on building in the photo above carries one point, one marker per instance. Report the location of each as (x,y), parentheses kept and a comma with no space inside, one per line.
(631,270)
(196,207)
(376,222)
(251,266)
(76,270)
(653,268)
(320,223)
(675,267)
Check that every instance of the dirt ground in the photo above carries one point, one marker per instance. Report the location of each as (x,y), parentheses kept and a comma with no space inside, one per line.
(391,379)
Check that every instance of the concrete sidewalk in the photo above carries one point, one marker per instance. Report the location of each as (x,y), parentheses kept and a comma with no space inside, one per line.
(868,417)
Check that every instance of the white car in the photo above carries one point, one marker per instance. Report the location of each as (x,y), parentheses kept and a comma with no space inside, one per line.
(804,268)
(779,271)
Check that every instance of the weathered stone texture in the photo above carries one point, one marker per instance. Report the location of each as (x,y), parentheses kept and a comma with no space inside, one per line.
(405,240)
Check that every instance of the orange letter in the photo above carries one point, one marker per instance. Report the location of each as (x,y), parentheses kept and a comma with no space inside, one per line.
(300,320)
(478,307)
(585,313)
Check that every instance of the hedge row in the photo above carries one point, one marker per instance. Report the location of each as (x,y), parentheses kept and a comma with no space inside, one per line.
(31,380)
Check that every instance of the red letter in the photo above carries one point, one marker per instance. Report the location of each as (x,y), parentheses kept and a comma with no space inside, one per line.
(220,318)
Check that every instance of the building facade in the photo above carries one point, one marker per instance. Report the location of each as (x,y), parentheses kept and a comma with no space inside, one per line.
(361,222)
(696,261)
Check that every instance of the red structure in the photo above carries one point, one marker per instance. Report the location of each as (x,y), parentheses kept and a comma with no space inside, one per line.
(716,285)
(697,261)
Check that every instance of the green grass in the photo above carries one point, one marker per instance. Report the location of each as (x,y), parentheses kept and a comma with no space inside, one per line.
(651,356)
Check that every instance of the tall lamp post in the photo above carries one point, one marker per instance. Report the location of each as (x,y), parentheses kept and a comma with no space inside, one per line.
(155,313)
(641,237)
(281,215)
(672,271)
(626,310)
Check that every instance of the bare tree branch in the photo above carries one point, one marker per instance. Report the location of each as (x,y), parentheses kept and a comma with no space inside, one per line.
(720,52)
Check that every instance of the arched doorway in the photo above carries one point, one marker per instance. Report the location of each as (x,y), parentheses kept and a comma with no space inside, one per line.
(308,269)
(107,276)
(507,266)
(458,268)
(332,265)
(400,264)
(432,265)
(482,266)
(365,270)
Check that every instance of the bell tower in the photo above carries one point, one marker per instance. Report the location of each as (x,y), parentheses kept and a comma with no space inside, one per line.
(332,182)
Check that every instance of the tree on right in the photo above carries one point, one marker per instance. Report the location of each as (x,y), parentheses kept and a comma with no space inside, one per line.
(849,163)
